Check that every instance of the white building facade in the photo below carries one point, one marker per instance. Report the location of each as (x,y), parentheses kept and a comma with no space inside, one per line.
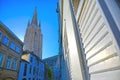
(71,68)
(90,37)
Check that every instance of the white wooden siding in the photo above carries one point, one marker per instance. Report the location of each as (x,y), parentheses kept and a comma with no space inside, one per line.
(100,50)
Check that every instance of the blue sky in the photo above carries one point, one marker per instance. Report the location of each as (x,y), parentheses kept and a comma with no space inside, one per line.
(16,13)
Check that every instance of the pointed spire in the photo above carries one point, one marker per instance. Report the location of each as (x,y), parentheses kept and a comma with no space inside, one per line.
(28,23)
(34,19)
(39,24)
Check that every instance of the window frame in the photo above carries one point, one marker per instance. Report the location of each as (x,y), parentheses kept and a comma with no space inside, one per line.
(8,66)
(25,69)
(12,43)
(1,34)
(14,65)
(17,48)
(4,42)
(1,63)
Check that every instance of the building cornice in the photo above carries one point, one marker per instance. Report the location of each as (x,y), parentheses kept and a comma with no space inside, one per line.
(10,32)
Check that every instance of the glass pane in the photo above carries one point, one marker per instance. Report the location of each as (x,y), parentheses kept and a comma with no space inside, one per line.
(8,62)
(25,69)
(0,34)
(5,40)
(1,59)
(12,45)
(30,69)
(14,65)
(17,49)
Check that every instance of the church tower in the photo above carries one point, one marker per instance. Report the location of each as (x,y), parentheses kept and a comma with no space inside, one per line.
(33,37)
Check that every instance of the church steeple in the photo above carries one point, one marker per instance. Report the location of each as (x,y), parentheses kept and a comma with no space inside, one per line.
(33,37)
(34,19)
(28,23)
(39,24)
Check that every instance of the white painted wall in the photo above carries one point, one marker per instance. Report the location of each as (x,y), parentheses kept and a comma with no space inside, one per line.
(99,43)
(75,66)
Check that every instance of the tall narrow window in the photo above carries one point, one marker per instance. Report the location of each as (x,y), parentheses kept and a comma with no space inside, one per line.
(1,59)
(0,34)
(8,65)
(14,65)
(17,49)
(31,59)
(34,71)
(25,69)
(30,69)
(5,40)
(12,45)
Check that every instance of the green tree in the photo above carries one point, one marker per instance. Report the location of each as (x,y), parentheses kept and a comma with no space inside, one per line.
(49,72)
